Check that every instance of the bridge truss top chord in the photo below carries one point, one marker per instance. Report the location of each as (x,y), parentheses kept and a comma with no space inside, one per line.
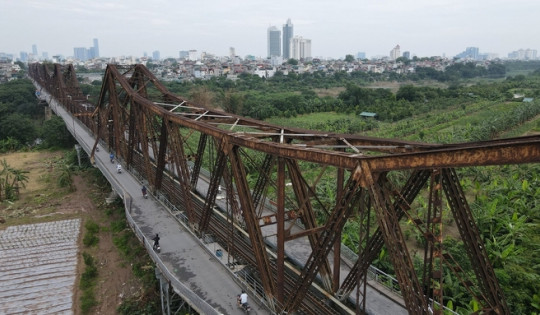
(313,179)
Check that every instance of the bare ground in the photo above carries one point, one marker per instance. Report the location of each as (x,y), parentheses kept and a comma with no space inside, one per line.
(42,200)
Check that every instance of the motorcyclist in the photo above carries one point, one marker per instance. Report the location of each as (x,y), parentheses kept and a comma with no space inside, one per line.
(243,299)
(143,189)
(111,156)
(119,168)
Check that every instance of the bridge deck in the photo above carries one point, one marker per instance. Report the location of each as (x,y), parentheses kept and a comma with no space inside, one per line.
(193,269)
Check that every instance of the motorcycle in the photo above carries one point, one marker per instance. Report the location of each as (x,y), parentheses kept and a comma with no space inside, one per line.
(245,307)
(144,192)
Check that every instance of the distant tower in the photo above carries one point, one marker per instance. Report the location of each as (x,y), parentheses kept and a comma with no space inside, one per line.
(274,42)
(155,55)
(300,48)
(80,53)
(395,53)
(232,52)
(34,50)
(287,36)
(24,56)
(96,48)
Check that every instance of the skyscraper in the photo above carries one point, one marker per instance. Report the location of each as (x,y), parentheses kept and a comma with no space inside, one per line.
(287,36)
(274,41)
(155,55)
(300,48)
(96,48)
(395,53)
(34,50)
(80,53)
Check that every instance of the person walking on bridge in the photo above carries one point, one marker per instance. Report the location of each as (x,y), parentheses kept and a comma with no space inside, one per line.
(156,241)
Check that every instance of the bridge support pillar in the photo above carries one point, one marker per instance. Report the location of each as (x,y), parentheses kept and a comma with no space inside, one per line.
(164,293)
(111,197)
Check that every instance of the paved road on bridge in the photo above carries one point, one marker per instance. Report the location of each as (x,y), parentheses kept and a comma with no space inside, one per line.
(196,273)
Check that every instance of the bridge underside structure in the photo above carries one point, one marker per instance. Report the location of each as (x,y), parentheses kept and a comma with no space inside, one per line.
(319,181)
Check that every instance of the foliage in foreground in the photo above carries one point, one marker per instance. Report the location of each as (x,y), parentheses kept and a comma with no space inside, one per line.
(87,283)
(11,180)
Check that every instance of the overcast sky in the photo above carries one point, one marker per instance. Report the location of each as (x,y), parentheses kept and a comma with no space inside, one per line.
(336,28)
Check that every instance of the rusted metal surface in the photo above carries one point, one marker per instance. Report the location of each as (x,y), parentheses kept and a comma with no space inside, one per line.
(172,142)
(492,297)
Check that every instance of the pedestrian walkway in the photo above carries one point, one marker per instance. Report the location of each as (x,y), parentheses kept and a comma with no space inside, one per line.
(195,272)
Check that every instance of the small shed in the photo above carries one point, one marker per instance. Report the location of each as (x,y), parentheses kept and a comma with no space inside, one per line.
(368,115)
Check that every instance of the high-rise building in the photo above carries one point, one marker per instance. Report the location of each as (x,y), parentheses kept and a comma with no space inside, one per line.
(288,34)
(34,50)
(193,55)
(300,48)
(469,53)
(523,54)
(232,52)
(184,54)
(96,49)
(80,53)
(395,53)
(407,54)
(274,42)
(360,55)
(155,55)
(24,56)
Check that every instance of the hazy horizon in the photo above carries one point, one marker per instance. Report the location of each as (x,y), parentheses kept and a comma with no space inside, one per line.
(130,28)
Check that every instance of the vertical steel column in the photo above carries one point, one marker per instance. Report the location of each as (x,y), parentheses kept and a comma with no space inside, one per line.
(308,217)
(179,160)
(432,273)
(255,234)
(337,245)
(409,192)
(211,194)
(198,161)
(476,250)
(388,221)
(335,223)
(280,264)
(161,159)
(262,180)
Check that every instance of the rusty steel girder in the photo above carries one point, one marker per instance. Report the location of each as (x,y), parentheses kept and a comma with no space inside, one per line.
(145,125)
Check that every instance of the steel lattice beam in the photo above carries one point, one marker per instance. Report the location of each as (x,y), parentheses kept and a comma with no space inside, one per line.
(141,121)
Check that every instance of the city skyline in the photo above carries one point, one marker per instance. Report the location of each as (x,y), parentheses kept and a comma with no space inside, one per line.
(421,27)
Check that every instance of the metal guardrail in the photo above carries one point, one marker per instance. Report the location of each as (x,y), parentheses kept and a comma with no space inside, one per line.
(382,278)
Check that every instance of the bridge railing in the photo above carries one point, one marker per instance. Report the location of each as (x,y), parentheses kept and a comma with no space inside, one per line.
(380,277)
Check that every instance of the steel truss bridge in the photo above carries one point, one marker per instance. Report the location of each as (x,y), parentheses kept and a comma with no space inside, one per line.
(170,139)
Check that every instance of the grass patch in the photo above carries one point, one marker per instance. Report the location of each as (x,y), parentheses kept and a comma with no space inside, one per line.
(90,237)
(87,283)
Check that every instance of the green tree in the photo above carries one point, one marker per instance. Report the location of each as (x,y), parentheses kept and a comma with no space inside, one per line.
(232,102)
(54,133)
(18,127)
(349,58)
(292,62)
